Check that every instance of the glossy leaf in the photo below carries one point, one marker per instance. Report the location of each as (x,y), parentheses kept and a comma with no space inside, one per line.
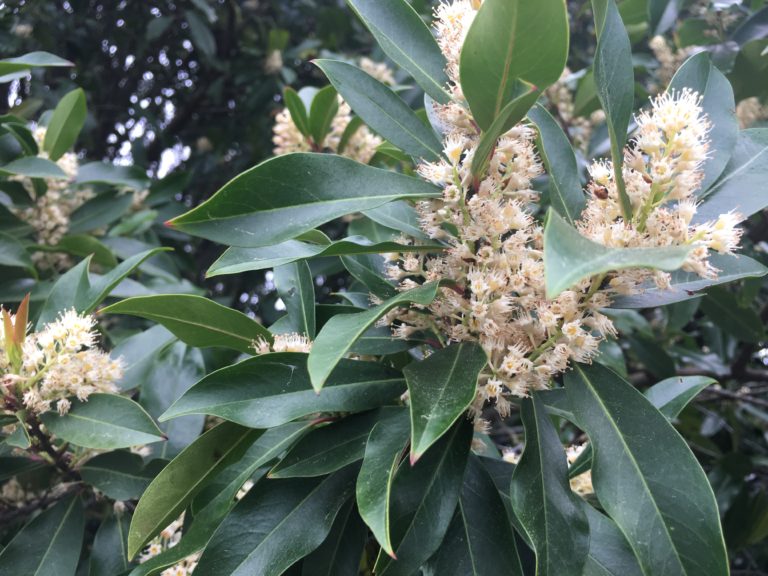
(480,540)
(236,260)
(441,388)
(325,105)
(49,545)
(298,110)
(671,521)
(277,523)
(405,38)
(330,448)
(722,307)
(120,475)
(743,185)
(104,422)
(33,167)
(65,124)
(272,389)
(103,173)
(511,40)
(700,75)
(370,271)
(383,110)
(688,285)
(671,395)
(31,60)
(109,553)
(283,197)
(175,486)
(565,192)
(340,554)
(542,498)
(569,257)
(424,499)
(195,320)
(614,79)
(383,451)
(609,552)
(296,288)
(341,332)
(13,253)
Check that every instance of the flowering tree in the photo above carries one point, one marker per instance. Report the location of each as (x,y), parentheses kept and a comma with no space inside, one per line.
(489,284)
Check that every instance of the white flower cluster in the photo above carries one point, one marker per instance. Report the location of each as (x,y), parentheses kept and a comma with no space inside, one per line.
(662,171)
(59,362)
(669,60)
(290,342)
(750,111)
(580,128)
(493,288)
(360,146)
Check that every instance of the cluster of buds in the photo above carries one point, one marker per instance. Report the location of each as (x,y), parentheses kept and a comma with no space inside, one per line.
(289,342)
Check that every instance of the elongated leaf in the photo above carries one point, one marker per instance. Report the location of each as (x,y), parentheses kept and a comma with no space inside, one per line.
(424,501)
(383,451)
(382,109)
(33,167)
(236,260)
(521,101)
(103,173)
(298,110)
(206,520)
(283,197)
(325,105)
(511,40)
(615,82)
(662,15)
(671,521)
(441,388)
(341,332)
(296,288)
(405,38)
(480,540)
(31,60)
(104,422)
(79,290)
(277,523)
(609,552)
(687,285)
(398,216)
(370,271)
(542,498)
(272,389)
(49,545)
(569,257)
(722,307)
(195,320)
(176,485)
(340,553)
(565,191)
(699,74)
(120,475)
(65,124)
(13,253)
(331,447)
(109,554)
(743,186)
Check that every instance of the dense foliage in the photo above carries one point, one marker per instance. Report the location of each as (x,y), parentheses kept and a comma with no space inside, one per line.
(495,305)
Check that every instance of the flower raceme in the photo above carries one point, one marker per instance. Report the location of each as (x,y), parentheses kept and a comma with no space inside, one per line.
(58,362)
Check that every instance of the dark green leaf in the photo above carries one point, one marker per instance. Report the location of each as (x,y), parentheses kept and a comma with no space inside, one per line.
(31,60)
(103,173)
(565,193)
(342,331)
(324,107)
(569,257)
(84,245)
(196,320)
(383,452)
(283,197)
(104,422)
(542,498)
(296,288)
(370,271)
(405,38)
(383,110)
(511,40)
(65,124)
(272,389)
(120,475)
(100,211)
(298,110)
(671,520)
(609,553)
(722,307)
(176,485)
(662,15)
(49,545)
(201,34)
(276,524)
(108,555)
(13,253)
(33,167)
(480,540)
(340,554)
(441,388)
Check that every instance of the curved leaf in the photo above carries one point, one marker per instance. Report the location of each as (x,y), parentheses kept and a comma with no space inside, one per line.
(120,475)
(340,554)
(288,195)
(609,552)
(31,60)
(13,253)
(297,109)
(325,105)
(383,110)
(671,520)
(296,288)
(441,388)
(108,555)
(33,167)
(104,422)
(542,498)
(65,124)
(272,389)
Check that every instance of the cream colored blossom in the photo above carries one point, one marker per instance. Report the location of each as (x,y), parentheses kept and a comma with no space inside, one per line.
(291,342)
(750,111)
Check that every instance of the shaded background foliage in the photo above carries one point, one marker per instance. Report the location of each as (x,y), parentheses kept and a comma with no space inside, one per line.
(189,90)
